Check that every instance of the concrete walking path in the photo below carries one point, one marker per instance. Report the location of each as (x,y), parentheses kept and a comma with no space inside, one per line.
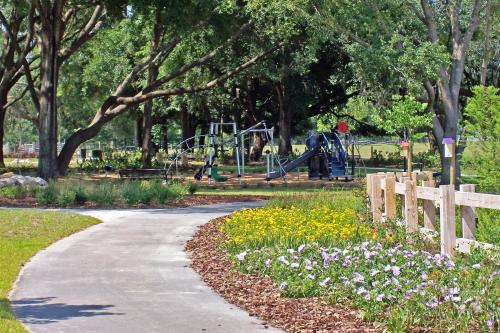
(127,274)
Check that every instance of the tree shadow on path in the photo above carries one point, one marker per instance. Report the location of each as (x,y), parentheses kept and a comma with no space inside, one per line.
(44,311)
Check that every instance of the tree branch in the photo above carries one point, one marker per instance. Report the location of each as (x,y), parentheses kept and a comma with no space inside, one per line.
(87,32)
(146,94)
(200,61)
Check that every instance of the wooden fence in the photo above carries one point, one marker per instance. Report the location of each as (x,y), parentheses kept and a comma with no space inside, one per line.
(383,188)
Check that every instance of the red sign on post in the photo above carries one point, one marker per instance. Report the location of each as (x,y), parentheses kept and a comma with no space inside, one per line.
(342,127)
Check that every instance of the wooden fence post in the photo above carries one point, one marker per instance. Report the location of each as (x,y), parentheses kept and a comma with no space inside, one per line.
(369,180)
(403,180)
(411,209)
(377,198)
(468,215)
(447,219)
(429,208)
(390,197)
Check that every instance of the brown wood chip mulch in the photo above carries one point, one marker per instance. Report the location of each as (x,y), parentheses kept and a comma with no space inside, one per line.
(257,294)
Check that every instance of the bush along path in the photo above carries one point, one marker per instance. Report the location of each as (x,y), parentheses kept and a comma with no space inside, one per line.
(116,194)
(324,250)
(127,274)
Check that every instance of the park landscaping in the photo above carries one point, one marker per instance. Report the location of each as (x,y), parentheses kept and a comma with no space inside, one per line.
(324,248)
(22,234)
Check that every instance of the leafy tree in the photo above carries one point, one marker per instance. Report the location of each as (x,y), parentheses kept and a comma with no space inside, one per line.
(483,123)
(396,45)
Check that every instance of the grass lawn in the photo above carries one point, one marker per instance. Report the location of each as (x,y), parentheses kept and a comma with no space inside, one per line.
(22,234)
(266,190)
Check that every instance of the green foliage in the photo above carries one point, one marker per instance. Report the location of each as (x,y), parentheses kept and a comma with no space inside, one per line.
(103,194)
(488,226)
(405,113)
(13,192)
(66,197)
(193,188)
(47,195)
(482,122)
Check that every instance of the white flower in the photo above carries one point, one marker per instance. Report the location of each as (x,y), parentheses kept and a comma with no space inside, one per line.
(308,267)
(379,297)
(374,272)
(294,265)
(301,247)
(387,268)
(476,266)
(325,282)
(241,256)
(310,276)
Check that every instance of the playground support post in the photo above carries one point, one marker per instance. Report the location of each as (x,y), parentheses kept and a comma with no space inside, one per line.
(237,150)
(210,151)
(268,165)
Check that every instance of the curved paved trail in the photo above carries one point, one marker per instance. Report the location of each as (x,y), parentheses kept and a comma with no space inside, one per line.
(127,274)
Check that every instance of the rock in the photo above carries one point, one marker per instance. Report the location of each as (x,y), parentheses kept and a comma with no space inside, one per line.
(25,182)
(6,175)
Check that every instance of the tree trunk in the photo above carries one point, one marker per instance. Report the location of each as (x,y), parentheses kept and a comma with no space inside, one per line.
(164,138)
(2,133)
(258,144)
(486,51)
(138,130)
(147,139)
(285,121)
(49,70)
(72,144)
(188,130)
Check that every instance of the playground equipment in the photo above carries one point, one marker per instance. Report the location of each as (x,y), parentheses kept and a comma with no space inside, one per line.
(325,158)
(325,155)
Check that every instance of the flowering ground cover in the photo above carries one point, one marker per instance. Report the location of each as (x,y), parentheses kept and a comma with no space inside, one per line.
(331,251)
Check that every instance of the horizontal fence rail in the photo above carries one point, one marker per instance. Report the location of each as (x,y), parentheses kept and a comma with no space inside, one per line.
(383,188)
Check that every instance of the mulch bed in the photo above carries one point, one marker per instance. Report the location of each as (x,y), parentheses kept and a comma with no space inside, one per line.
(257,294)
(188,201)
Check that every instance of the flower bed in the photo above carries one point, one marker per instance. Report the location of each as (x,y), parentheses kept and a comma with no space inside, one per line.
(328,253)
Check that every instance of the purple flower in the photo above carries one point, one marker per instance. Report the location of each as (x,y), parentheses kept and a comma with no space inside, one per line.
(283,285)
(387,268)
(379,297)
(308,267)
(358,278)
(374,272)
(294,265)
(433,303)
(267,262)
(361,290)
(396,270)
(489,323)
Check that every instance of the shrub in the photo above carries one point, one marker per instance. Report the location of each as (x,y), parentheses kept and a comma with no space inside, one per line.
(103,194)
(13,192)
(47,195)
(81,197)
(193,188)
(137,192)
(66,197)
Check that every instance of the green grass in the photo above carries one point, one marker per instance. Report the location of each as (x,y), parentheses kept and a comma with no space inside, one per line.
(265,190)
(22,234)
